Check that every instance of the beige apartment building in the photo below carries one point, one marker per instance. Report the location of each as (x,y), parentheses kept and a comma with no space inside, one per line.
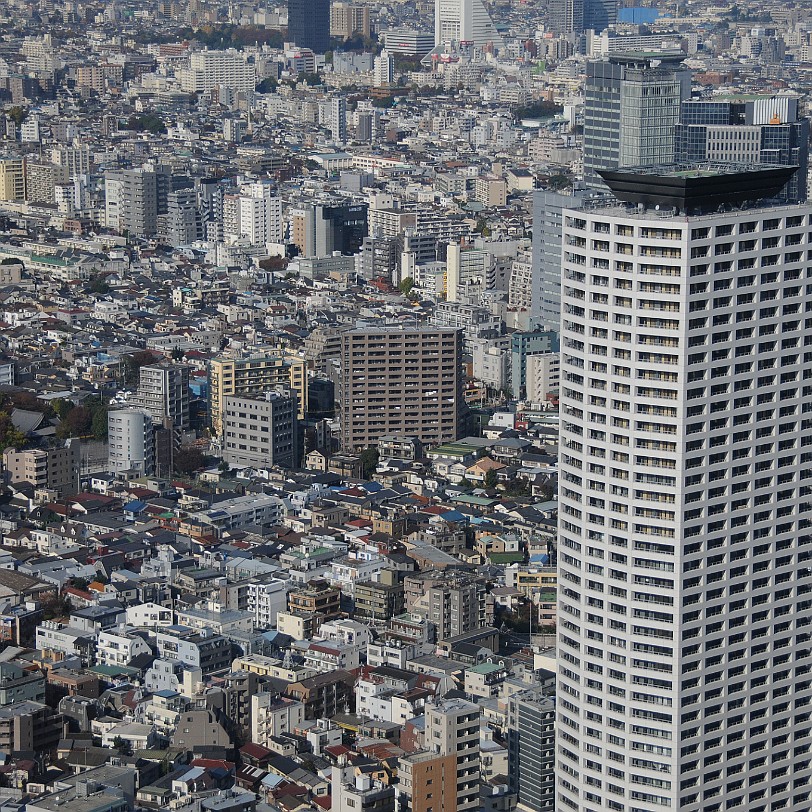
(253,376)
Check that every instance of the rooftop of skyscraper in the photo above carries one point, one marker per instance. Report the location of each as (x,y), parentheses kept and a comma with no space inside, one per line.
(698,186)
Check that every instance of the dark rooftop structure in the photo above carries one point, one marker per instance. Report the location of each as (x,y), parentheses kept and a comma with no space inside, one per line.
(694,188)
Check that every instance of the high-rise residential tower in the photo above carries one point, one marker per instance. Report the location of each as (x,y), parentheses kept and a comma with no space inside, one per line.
(464,21)
(309,24)
(163,391)
(401,381)
(631,107)
(254,375)
(444,776)
(531,749)
(685,668)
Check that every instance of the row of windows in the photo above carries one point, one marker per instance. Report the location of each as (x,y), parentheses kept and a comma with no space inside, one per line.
(697,233)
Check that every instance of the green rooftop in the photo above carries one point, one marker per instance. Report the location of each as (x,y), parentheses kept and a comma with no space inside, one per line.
(485,668)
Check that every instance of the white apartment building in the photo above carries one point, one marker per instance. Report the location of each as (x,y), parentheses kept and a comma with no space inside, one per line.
(683,654)
(543,376)
(272,715)
(131,441)
(464,21)
(119,646)
(210,69)
(266,601)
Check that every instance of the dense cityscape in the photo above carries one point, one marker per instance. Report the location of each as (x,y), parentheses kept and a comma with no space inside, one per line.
(404,406)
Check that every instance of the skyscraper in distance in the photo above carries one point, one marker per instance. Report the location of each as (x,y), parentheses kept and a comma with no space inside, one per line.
(684,531)
(464,21)
(631,107)
(309,24)
(599,14)
(577,16)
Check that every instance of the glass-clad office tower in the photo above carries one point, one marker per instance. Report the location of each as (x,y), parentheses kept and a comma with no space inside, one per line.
(631,107)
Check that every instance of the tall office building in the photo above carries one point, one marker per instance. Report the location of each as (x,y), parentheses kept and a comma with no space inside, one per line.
(631,107)
(252,376)
(309,24)
(531,750)
(684,578)
(599,14)
(464,21)
(401,381)
(764,129)
(566,16)
(131,441)
(319,230)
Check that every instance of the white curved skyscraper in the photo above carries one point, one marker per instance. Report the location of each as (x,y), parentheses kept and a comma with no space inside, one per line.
(464,21)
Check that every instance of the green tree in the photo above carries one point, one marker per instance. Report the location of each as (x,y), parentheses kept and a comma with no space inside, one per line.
(267,85)
(406,285)
(369,459)
(224,468)
(61,407)
(121,745)
(188,460)
(133,364)
(146,122)
(18,114)
(490,478)
(98,423)
(537,109)
(10,436)
(55,605)
(177,354)
(98,285)
(558,182)
(76,423)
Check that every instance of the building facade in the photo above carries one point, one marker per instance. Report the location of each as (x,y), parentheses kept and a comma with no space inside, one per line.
(683,525)
(531,750)
(395,381)
(251,376)
(309,24)
(464,21)
(766,129)
(260,431)
(131,441)
(53,468)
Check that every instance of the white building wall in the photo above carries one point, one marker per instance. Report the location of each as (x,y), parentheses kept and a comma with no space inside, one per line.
(683,585)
